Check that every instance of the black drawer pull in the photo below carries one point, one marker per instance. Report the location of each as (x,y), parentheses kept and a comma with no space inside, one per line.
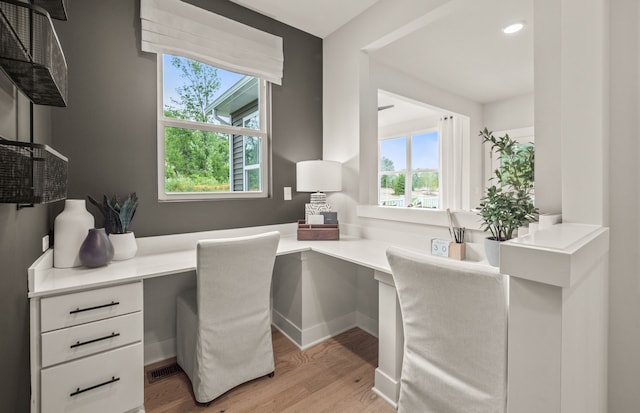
(78,391)
(78,344)
(80,310)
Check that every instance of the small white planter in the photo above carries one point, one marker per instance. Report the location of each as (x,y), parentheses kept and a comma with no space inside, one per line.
(492,249)
(124,246)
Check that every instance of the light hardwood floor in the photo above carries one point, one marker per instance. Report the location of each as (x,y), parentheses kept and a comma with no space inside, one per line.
(335,375)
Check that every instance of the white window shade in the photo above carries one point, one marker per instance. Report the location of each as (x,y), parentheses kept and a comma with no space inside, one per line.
(175,27)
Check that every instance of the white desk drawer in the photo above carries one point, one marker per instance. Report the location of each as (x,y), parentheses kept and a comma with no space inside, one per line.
(70,343)
(86,306)
(107,382)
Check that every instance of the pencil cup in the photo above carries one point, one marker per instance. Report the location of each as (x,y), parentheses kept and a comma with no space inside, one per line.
(457,251)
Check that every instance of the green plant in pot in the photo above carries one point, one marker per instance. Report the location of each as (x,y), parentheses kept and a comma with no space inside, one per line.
(117,215)
(508,203)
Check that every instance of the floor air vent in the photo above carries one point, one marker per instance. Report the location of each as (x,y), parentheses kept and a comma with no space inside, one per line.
(162,372)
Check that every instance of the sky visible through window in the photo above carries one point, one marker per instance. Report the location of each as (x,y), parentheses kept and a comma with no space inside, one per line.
(424,153)
(172,80)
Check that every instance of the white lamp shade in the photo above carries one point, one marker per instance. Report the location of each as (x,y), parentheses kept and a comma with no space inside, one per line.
(324,176)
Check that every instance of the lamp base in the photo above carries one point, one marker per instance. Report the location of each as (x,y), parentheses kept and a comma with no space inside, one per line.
(318,198)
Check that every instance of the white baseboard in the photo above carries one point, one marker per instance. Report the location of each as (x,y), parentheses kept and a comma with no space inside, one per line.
(386,387)
(159,350)
(287,328)
(162,350)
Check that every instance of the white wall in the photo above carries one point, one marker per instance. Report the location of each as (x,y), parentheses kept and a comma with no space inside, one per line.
(391,80)
(350,86)
(513,113)
(548,119)
(587,168)
(624,181)
(584,107)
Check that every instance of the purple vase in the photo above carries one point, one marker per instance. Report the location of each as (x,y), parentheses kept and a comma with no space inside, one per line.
(96,250)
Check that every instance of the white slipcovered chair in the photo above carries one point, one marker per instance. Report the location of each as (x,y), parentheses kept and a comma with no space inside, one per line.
(224,325)
(454,316)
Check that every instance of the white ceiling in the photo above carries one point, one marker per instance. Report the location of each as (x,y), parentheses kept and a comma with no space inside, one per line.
(466,53)
(403,110)
(318,17)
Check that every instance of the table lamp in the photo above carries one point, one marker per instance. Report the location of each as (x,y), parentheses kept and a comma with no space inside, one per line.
(318,177)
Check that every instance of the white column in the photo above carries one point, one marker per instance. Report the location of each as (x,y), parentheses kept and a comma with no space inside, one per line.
(558,312)
(585,111)
(390,340)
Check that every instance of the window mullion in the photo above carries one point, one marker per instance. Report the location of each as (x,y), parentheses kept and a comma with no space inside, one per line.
(209,127)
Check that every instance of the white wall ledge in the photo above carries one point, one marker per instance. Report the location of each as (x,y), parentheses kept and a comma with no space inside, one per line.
(559,255)
(436,217)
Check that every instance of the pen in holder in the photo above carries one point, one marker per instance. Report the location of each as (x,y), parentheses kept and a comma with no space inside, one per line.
(457,248)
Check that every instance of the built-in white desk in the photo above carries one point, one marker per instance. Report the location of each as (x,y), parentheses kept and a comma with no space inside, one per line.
(317,293)
(314,292)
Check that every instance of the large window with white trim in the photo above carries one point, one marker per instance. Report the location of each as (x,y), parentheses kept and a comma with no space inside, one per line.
(213,139)
(409,170)
(420,154)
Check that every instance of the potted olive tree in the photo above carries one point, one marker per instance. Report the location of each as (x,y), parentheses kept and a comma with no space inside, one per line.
(117,215)
(508,203)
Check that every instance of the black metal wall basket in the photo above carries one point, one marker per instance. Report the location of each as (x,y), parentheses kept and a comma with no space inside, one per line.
(30,53)
(31,173)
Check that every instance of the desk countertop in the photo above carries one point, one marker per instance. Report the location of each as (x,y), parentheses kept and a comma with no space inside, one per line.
(159,256)
(567,247)
(173,254)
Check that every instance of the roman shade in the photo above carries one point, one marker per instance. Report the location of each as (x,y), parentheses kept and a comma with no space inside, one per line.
(176,27)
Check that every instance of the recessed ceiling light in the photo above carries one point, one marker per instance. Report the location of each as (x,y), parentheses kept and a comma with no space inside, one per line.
(513,28)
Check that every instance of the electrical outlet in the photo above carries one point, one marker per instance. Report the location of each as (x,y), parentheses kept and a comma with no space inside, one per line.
(287,193)
(45,243)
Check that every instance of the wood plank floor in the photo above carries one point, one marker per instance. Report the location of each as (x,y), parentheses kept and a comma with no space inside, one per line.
(335,375)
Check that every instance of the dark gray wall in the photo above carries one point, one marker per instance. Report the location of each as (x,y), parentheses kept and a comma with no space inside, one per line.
(108,131)
(21,235)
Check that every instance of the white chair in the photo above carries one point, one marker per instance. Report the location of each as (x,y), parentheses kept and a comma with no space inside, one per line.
(455,335)
(224,325)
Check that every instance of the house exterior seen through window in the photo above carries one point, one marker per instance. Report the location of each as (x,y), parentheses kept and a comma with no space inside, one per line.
(409,170)
(212,132)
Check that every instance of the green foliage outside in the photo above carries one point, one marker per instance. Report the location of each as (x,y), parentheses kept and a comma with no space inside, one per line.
(386,165)
(398,185)
(427,181)
(509,203)
(195,161)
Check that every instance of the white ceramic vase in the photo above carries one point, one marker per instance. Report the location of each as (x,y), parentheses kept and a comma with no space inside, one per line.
(70,228)
(124,246)
(492,249)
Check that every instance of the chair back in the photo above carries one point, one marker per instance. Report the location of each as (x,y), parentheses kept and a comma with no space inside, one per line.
(454,316)
(234,277)
(233,299)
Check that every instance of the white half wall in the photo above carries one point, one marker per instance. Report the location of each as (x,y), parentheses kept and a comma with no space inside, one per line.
(384,77)
(350,83)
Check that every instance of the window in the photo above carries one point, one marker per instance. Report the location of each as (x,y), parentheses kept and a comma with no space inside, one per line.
(409,170)
(525,138)
(212,132)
